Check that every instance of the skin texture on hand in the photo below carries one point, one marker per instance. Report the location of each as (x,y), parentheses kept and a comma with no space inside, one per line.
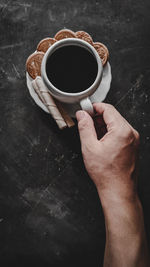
(112,165)
(110,161)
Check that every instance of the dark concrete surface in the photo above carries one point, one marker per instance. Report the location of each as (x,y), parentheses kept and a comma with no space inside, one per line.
(50,213)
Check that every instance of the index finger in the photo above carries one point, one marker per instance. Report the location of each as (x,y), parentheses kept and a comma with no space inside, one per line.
(111,116)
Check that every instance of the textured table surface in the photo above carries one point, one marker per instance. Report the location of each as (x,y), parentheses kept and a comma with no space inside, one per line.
(50,213)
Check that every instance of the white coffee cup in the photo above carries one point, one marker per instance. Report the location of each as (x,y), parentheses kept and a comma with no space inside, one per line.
(82,97)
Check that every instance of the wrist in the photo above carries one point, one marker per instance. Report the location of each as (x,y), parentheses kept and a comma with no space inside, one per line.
(118,193)
(123,215)
(113,200)
(119,205)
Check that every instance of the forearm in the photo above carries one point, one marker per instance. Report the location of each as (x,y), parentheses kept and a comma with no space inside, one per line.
(125,235)
(111,163)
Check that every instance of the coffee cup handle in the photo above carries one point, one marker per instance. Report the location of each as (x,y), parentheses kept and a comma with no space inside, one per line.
(86,105)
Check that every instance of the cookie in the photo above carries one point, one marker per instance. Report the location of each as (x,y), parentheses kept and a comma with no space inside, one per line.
(33,64)
(102,51)
(64,34)
(44,44)
(84,36)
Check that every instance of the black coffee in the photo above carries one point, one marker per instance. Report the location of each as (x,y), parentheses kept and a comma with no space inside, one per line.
(71,69)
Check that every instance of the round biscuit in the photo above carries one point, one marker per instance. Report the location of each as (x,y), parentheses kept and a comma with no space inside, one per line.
(84,36)
(103,52)
(33,64)
(44,44)
(65,33)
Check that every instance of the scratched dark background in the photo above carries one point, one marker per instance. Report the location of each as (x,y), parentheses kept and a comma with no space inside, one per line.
(50,213)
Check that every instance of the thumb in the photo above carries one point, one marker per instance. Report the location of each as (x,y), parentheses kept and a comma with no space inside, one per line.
(86,127)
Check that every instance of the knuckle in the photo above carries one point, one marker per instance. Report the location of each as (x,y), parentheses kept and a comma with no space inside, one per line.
(82,124)
(88,149)
(125,133)
(137,135)
(128,133)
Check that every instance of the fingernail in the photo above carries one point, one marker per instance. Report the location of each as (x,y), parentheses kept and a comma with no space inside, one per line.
(80,115)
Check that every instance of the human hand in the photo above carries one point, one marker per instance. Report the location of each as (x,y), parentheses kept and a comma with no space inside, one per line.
(110,161)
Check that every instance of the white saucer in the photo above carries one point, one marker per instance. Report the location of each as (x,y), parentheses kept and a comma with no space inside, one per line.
(98,96)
